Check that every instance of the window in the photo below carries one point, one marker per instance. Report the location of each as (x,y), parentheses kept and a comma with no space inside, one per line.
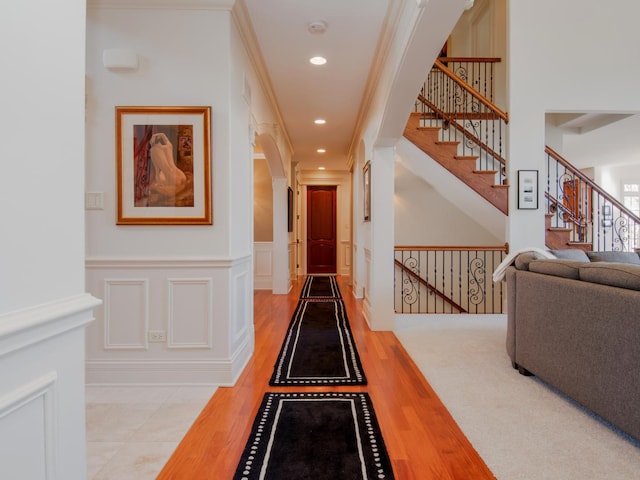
(631,197)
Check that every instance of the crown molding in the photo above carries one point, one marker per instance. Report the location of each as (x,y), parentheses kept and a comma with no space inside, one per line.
(388,33)
(163,4)
(247,34)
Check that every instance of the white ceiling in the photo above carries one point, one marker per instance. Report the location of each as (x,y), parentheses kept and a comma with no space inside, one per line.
(333,91)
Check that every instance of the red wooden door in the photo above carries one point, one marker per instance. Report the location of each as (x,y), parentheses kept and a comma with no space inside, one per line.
(321,229)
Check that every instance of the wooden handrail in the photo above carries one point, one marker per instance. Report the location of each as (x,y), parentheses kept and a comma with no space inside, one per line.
(429,287)
(470,59)
(465,248)
(481,98)
(556,156)
(448,118)
(577,221)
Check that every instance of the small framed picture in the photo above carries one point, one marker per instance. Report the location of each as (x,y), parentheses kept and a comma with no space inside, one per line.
(289,209)
(528,189)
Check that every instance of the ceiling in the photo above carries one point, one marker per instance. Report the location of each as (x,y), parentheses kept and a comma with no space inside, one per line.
(305,92)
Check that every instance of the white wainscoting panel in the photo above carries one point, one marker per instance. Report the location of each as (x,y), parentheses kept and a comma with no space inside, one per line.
(346,252)
(242,302)
(263,265)
(42,407)
(28,413)
(170,321)
(126,313)
(190,313)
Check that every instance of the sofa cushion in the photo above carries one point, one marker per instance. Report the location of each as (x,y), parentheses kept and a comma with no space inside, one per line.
(617,257)
(624,275)
(523,260)
(571,254)
(557,267)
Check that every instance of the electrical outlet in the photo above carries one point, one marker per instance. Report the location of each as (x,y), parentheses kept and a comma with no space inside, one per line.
(157,336)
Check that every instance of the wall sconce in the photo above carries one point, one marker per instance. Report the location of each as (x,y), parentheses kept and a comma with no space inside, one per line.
(120,58)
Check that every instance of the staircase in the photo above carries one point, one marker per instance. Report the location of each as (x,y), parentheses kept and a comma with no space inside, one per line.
(580,214)
(456,124)
(427,139)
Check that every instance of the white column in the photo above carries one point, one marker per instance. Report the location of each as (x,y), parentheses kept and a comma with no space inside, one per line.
(381,311)
(281,280)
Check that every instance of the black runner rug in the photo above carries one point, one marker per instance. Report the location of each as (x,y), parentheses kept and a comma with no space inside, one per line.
(318,348)
(315,436)
(318,287)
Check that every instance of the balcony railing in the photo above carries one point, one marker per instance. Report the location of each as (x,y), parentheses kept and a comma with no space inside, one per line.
(448,279)
(592,216)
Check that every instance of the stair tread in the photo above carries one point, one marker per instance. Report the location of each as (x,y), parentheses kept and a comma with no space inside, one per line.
(466,157)
(486,172)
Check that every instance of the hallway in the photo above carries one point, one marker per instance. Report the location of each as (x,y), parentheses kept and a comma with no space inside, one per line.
(420,435)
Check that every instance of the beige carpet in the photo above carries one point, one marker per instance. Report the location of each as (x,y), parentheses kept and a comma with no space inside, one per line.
(522,428)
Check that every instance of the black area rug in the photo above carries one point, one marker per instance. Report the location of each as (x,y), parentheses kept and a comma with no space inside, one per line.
(315,436)
(317,287)
(318,348)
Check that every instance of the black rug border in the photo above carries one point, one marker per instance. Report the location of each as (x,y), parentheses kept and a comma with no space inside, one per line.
(252,458)
(356,364)
(308,284)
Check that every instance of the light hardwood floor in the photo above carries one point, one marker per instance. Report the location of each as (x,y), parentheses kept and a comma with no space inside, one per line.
(422,439)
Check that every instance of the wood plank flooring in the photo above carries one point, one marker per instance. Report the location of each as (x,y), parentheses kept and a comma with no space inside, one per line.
(422,439)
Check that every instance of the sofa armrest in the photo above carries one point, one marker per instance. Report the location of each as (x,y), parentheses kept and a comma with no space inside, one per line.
(511,276)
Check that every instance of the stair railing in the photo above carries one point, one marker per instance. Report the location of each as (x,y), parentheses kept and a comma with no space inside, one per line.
(591,215)
(448,279)
(454,98)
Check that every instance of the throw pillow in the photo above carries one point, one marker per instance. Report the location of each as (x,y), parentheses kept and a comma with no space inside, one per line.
(571,254)
(618,257)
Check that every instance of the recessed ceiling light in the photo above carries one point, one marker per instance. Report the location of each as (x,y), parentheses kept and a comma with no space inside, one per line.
(321,168)
(319,121)
(321,150)
(318,60)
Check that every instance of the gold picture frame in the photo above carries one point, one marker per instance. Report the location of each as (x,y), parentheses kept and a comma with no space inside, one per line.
(163,165)
(366,184)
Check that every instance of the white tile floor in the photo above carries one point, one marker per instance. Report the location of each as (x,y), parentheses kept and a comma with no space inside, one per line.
(132,431)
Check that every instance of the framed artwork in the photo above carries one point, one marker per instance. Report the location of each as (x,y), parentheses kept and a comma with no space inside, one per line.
(163,165)
(366,184)
(289,209)
(528,189)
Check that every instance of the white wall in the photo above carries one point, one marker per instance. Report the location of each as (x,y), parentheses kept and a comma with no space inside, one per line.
(43,304)
(193,285)
(423,217)
(563,70)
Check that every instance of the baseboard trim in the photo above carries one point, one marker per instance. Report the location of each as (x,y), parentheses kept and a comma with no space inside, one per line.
(223,372)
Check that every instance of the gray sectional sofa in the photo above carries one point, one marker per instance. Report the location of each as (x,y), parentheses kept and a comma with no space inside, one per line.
(574,322)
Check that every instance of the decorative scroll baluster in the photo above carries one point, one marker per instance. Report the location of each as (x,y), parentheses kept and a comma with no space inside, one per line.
(448,279)
(458,97)
(593,216)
